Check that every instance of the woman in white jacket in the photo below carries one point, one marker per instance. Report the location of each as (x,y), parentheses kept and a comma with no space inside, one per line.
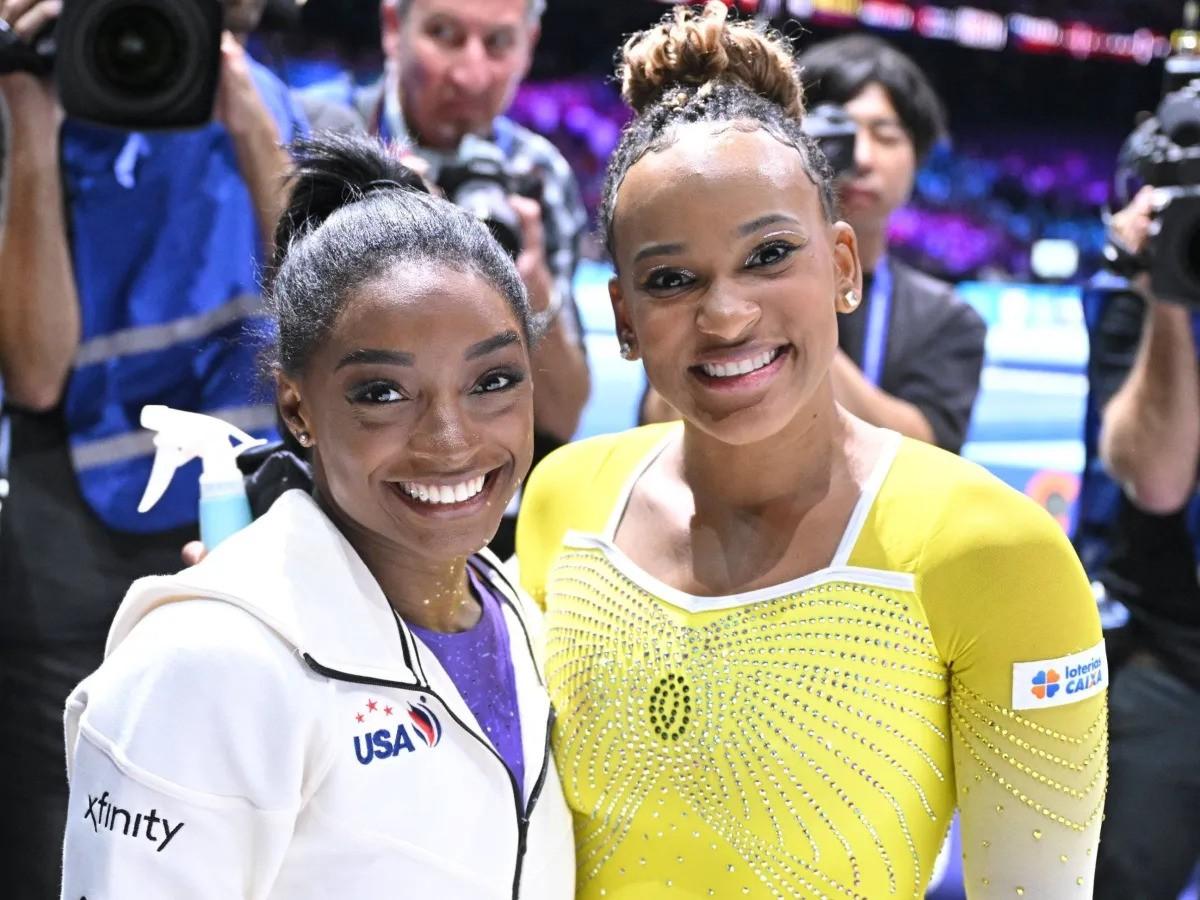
(344,698)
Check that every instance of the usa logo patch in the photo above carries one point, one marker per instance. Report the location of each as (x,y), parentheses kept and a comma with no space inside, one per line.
(394,736)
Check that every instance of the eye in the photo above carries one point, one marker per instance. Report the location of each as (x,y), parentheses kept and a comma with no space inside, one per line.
(499,380)
(667,280)
(446,33)
(889,134)
(376,392)
(499,43)
(770,254)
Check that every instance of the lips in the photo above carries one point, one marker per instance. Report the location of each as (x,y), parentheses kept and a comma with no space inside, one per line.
(855,196)
(444,493)
(447,495)
(742,367)
(750,372)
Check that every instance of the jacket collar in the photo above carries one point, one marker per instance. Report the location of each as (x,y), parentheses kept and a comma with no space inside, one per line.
(294,571)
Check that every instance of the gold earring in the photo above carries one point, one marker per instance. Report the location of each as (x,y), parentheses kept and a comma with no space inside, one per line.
(851,299)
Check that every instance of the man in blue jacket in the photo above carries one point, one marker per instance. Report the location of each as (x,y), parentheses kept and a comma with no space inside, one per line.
(131,264)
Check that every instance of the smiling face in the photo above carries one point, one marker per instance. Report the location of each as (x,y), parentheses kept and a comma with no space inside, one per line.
(729,278)
(420,406)
(459,64)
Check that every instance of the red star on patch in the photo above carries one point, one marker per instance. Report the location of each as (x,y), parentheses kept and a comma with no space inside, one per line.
(387,710)
(371,704)
(359,717)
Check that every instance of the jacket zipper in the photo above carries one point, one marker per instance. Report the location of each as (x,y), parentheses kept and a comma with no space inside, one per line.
(523,821)
(523,813)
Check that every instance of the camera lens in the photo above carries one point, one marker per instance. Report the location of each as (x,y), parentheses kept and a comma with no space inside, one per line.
(137,49)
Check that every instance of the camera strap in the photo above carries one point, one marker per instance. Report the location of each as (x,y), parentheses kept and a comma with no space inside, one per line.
(879,320)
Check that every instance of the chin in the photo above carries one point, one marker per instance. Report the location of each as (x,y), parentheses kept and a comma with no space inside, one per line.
(776,412)
(742,428)
(442,533)
(448,544)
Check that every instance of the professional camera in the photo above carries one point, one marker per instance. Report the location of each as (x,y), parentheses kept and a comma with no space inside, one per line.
(834,131)
(1164,152)
(480,180)
(132,64)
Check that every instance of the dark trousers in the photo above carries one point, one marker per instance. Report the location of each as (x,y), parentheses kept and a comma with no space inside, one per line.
(35,680)
(1150,839)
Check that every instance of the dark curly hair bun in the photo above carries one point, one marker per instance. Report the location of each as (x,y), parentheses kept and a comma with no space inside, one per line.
(697,47)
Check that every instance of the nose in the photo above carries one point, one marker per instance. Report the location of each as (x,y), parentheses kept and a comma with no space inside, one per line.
(471,70)
(726,313)
(443,432)
(864,150)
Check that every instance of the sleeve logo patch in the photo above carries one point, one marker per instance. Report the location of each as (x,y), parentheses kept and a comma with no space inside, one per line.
(1057,682)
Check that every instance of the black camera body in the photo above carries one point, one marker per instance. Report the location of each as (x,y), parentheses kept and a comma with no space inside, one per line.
(135,64)
(480,180)
(1164,152)
(834,132)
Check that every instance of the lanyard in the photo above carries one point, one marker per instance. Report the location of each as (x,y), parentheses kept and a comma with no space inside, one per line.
(879,310)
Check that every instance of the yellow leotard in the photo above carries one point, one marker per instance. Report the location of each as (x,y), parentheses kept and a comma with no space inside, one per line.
(813,739)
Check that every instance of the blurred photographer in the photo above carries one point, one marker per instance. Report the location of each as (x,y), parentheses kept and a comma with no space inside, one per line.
(451,71)
(130,264)
(1139,512)
(1144,383)
(910,356)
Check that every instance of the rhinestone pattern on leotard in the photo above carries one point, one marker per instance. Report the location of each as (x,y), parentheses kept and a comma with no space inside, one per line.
(804,745)
(803,740)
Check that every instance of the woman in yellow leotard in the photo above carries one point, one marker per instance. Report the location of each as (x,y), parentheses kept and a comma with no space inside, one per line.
(783,644)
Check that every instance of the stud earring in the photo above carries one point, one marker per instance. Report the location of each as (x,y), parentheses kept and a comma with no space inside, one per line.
(304,438)
(626,348)
(851,299)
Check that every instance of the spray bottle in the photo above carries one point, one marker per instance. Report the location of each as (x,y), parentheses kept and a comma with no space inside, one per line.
(182,436)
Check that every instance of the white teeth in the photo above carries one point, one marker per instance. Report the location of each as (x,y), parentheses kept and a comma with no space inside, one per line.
(444,493)
(729,370)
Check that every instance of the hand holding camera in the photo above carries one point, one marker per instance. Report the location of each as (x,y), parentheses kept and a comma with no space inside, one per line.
(482,181)
(1129,231)
(237,104)
(22,24)
(531,261)
(31,100)
(1158,230)
(135,65)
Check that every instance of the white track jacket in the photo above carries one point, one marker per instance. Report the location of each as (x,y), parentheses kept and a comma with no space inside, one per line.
(263,727)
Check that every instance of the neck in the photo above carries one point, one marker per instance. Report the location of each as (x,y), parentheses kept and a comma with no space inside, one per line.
(789,472)
(431,594)
(872,244)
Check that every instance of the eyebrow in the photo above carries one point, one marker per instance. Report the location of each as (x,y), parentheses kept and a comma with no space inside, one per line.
(877,121)
(762,221)
(492,344)
(658,250)
(367,356)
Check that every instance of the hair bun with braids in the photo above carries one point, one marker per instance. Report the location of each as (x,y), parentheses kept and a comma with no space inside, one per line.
(697,47)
